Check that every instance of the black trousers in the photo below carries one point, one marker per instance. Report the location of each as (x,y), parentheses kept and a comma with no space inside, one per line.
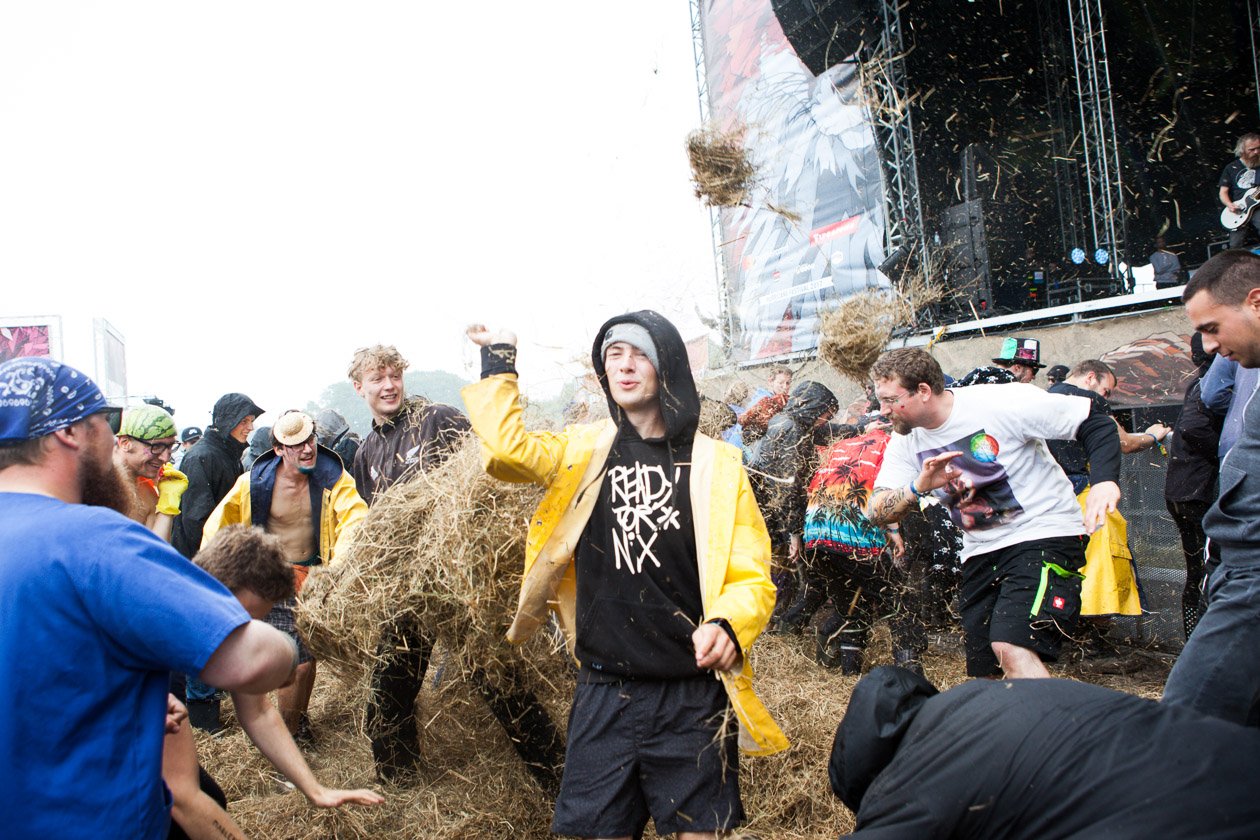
(403,659)
(1188,517)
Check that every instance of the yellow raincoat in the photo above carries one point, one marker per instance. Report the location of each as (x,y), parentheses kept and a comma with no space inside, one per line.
(1110,586)
(732,546)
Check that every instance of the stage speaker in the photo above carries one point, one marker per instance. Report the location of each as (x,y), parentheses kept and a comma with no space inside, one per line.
(966,258)
(826,32)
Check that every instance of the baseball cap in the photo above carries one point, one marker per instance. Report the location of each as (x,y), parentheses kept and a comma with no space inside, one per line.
(189,434)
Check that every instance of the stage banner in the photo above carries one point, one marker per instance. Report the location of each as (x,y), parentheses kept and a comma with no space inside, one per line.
(20,338)
(812,232)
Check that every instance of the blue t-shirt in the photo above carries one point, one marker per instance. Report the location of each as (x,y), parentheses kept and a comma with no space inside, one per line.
(96,611)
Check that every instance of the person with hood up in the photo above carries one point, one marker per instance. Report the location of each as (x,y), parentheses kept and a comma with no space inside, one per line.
(650,549)
(780,467)
(258,446)
(1050,759)
(334,433)
(211,467)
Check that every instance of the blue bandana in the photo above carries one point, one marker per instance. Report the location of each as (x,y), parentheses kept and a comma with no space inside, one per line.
(39,396)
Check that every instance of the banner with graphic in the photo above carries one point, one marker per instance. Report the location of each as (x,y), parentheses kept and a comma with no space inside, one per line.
(812,230)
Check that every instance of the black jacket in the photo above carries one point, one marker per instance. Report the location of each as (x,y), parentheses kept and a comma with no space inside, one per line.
(212,467)
(1193,462)
(1046,759)
(783,461)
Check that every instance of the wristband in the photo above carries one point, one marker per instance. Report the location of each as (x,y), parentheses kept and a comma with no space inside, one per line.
(917,494)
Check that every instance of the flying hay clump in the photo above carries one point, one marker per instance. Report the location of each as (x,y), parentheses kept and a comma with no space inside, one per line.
(720,167)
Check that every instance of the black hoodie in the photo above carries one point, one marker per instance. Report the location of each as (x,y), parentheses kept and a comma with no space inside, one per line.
(1047,759)
(638,583)
(783,461)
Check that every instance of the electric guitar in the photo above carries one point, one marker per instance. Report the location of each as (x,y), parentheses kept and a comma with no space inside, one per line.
(1231,220)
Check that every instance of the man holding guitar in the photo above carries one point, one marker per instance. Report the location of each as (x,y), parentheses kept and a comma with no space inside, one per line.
(1238,191)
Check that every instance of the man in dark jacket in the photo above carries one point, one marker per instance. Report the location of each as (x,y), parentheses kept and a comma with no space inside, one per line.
(1050,759)
(1190,484)
(1218,672)
(212,467)
(410,436)
(780,467)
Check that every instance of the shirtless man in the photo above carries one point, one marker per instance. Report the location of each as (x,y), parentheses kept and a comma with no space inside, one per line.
(143,450)
(280,484)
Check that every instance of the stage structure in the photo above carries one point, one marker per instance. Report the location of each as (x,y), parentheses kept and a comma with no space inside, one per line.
(813,227)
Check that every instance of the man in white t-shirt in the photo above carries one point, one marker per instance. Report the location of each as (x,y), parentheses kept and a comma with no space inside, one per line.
(982,451)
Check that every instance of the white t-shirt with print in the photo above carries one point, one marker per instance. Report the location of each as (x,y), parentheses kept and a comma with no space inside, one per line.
(1005,488)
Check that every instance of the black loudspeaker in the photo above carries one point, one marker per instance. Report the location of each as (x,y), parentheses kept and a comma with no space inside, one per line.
(967,257)
(826,32)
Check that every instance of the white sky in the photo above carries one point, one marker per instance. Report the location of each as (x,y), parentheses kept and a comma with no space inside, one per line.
(250,191)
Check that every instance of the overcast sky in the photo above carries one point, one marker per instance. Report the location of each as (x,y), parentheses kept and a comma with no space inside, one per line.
(250,191)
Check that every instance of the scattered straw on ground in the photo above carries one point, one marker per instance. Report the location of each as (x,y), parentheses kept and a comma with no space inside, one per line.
(720,168)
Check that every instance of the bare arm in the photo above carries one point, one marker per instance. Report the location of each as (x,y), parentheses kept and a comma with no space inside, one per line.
(1225,199)
(1152,437)
(255,657)
(197,814)
(264,726)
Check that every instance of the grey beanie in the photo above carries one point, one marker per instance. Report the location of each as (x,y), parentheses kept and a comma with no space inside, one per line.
(634,335)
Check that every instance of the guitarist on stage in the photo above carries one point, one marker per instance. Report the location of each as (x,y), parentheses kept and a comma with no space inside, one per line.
(1236,179)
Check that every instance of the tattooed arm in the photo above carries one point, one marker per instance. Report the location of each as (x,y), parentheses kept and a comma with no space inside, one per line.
(888,505)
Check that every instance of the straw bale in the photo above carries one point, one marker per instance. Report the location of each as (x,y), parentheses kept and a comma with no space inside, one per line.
(444,551)
(720,167)
(855,333)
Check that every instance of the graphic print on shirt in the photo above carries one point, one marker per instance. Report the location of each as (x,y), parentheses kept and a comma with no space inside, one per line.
(642,504)
(978,494)
(838,492)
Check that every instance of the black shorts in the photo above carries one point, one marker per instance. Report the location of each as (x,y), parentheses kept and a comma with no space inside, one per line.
(1028,594)
(649,747)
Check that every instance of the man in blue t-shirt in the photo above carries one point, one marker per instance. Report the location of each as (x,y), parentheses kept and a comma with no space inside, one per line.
(97,612)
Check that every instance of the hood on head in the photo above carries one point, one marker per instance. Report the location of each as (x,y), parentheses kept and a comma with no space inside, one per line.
(883,705)
(330,426)
(680,402)
(231,409)
(260,441)
(809,401)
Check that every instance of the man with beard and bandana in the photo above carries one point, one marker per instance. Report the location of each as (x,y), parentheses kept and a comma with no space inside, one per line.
(301,493)
(1050,759)
(982,451)
(650,549)
(143,451)
(90,593)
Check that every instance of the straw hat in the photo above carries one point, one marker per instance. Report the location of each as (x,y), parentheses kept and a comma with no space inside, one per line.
(292,428)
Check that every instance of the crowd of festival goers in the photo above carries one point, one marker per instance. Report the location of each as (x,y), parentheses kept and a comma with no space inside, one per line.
(150,571)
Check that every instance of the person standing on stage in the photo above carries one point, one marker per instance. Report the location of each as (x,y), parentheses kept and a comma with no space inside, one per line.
(1238,176)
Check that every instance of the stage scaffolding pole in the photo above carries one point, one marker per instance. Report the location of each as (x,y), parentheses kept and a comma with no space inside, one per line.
(885,77)
(1253,18)
(1101,152)
(725,315)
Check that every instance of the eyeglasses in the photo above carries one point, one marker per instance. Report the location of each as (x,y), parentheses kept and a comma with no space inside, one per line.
(892,402)
(311,441)
(156,448)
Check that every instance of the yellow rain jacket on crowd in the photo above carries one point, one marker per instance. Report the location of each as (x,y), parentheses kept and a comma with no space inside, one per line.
(336,508)
(732,546)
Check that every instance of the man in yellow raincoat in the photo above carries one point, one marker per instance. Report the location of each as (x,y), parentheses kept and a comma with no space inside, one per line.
(650,549)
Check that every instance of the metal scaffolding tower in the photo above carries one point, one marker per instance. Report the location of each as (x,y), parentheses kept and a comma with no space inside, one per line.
(1064,131)
(1104,187)
(725,313)
(884,76)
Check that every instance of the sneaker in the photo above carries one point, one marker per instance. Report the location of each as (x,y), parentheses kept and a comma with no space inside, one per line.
(304,736)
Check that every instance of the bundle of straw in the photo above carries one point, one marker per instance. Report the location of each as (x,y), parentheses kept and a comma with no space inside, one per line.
(720,167)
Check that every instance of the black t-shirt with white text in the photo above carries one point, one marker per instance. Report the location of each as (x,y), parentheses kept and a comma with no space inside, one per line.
(638,582)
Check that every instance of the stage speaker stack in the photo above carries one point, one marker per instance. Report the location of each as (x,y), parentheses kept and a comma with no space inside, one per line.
(967,274)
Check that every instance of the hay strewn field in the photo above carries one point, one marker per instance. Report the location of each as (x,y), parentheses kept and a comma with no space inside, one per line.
(474,786)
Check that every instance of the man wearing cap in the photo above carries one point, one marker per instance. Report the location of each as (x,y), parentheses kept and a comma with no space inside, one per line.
(212,466)
(650,549)
(187,440)
(143,452)
(90,593)
(1022,357)
(300,492)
